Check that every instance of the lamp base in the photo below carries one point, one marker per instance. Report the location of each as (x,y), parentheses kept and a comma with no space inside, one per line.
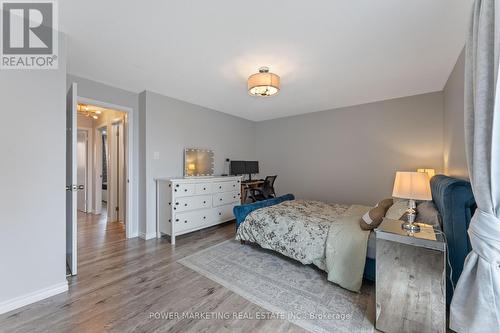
(409,226)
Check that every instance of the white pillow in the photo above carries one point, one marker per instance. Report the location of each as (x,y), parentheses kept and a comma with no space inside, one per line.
(397,210)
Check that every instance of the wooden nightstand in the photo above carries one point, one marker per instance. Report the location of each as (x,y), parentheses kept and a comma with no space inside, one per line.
(410,279)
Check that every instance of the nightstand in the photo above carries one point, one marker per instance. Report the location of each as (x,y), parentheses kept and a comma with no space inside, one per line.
(410,279)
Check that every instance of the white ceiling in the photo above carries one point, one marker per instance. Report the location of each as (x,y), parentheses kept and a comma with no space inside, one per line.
(329,53)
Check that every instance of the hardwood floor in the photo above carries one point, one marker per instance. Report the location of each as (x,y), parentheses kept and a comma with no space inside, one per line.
(123,284)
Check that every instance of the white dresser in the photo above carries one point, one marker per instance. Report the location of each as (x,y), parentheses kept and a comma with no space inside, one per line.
(195,203)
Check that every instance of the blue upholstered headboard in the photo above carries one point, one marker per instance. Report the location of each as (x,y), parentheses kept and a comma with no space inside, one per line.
(455,202)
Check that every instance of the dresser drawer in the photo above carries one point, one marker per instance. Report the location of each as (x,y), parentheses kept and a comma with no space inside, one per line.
(226,186)
(190,203)
(224,213)
(226,198)
(191,220)
(181,190)
(203,188)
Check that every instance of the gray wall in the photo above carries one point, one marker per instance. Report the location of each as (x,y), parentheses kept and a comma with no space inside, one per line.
(32,178)
(351,154)
(455,163)
(108,94)
(172,125)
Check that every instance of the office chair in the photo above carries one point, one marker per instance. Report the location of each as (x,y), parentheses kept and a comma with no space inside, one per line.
(266,191)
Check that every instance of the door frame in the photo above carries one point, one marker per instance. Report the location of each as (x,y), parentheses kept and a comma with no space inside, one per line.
(129,138)
(89,204)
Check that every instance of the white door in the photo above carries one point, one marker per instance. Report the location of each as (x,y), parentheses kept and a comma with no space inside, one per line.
(71,179)
(115,183)
(81,171)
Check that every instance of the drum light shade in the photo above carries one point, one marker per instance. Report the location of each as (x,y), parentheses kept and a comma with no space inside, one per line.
(263,83)
(412,185)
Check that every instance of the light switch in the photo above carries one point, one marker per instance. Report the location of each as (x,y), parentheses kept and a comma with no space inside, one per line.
(156,155)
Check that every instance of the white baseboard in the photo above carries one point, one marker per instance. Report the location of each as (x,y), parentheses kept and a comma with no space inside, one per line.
(133,235)
(32,297)
(147,236)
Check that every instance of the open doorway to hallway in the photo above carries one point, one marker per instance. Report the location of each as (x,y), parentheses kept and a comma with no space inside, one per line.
(102,170)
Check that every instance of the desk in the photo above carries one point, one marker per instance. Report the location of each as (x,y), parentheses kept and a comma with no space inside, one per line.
(246,186)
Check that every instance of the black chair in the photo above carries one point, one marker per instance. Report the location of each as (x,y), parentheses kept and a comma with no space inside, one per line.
(264,192)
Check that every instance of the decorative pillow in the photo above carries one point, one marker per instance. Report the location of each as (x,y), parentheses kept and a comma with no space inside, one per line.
(374,216)
(385,204)
(427,213)
(397,210)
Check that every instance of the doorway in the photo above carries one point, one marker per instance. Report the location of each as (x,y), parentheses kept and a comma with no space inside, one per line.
(103,180)
(100,186)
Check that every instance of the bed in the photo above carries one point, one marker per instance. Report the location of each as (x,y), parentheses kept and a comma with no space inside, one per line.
(452,197)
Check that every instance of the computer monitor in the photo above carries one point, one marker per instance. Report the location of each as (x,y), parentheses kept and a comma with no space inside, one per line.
(251,167)
(237,167)
(244,167)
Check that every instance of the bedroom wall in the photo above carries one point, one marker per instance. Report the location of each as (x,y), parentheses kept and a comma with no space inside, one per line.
(351,154)
(170,125)
(32,178)
(455,162)
(105,93)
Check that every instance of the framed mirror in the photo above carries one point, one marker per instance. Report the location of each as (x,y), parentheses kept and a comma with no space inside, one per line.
(198,162)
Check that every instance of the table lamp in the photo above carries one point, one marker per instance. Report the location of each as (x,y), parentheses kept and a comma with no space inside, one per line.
(412,186)
(430,172)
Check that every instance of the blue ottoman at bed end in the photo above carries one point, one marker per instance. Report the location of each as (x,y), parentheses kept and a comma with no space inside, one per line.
(241,212)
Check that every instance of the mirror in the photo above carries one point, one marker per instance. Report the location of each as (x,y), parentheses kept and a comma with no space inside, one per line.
(198,162)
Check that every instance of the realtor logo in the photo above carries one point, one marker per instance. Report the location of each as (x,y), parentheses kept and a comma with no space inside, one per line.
(29,34)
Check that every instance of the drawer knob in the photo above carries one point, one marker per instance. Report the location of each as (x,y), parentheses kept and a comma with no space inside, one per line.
(220,199)
(185,205)
(177,185)
(204,189)
(234,185)
(220,186)
(177,203)
(175,190)
(204,217)
(185,190)
(176,220)
(234,197)
(185,221)
(175,208)
(170,203)
(204,202)
(220,214)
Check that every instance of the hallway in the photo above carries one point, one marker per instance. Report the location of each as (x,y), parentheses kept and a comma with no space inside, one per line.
(95,233)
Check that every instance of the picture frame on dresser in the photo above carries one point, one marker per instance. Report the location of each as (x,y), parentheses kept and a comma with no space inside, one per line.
(185,205)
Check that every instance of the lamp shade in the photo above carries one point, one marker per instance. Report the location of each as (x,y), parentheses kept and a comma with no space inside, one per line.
(263,83)
(412,185)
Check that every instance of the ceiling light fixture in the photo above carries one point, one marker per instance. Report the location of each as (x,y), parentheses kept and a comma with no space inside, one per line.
(87,111)
(263,83)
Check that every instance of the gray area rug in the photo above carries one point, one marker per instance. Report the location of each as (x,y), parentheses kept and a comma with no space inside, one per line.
(298,293)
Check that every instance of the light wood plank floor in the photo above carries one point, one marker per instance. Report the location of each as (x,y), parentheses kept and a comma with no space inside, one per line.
(120,283)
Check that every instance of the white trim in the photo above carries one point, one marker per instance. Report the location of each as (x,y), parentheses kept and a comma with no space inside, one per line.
(130,214)
(148,236)
(17,302)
